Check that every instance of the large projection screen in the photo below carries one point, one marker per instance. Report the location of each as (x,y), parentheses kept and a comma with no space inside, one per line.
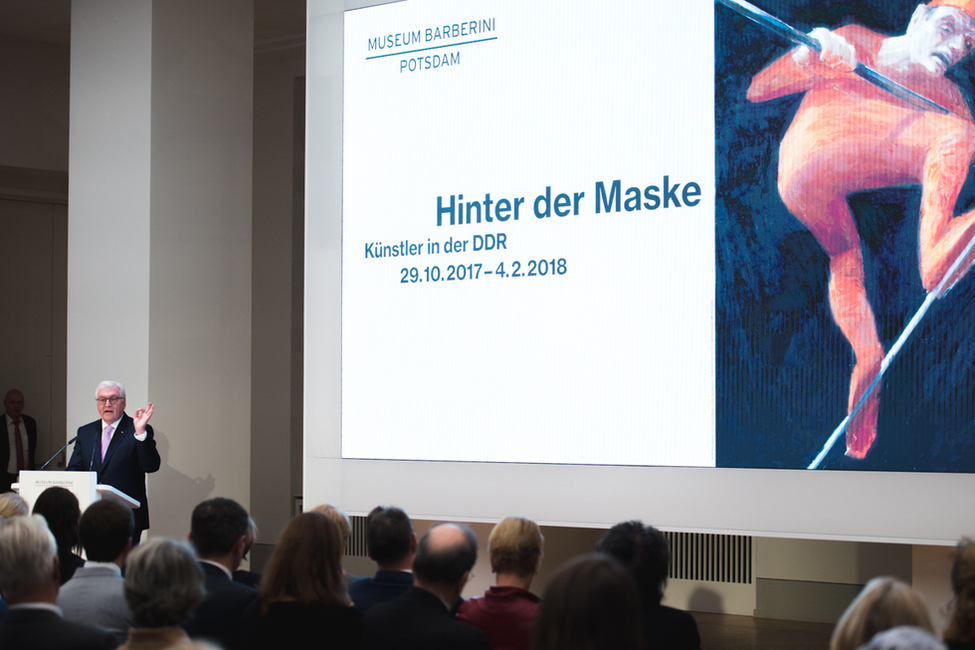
(561,364)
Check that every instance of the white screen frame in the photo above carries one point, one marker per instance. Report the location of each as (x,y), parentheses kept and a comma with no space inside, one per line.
(916,508)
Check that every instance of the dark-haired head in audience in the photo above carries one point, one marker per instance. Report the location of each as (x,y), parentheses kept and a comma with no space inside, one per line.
(106,532)
(245,576)
(96,593)
(391,544)
(162,584)
(961,627)
(591,602)
(506,611)
(903,637)
(645,553)
(445,555)
(303,591)
(884,603)
(218,528)
(29,576)
(61,510)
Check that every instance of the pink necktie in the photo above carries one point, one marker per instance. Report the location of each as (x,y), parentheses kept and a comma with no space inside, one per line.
(106,439)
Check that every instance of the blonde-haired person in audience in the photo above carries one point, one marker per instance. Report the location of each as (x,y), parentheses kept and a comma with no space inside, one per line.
(884,603)
(12,505)
(960,634)
(345,530)
(506,611)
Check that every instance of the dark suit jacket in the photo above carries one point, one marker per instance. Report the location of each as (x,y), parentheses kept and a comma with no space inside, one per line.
(126,463)
(666,628)
(27,629)
(418,620)
(30,426)
(367,592)
(221,616)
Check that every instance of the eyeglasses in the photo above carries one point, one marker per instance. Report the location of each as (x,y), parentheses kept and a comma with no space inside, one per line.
(108,400)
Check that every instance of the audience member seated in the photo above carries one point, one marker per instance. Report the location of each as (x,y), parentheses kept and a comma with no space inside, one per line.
(960,634)
(12,505)
(506,611)
(904,638)
(420,619)
(884,603)
(61,510)
(391,543)
(345,528)
(162,584)
(96,593)
(217,531)
(591,602)
(243,576)
(29,580)
(305,603)
(643,550)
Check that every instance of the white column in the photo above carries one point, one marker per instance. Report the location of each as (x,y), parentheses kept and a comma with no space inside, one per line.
(159,234)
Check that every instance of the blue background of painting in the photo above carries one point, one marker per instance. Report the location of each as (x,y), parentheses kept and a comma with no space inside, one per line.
(783,368)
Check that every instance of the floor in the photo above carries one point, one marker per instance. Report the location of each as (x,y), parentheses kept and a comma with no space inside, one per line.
(730,632)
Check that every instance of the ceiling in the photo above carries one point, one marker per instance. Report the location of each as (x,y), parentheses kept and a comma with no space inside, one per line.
(275,21)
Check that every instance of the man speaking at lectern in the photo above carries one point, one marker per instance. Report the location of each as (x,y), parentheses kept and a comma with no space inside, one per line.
(120,448)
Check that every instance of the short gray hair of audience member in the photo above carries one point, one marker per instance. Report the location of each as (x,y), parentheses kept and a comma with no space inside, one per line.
(339,517)
(904,637)
(27,552)
(111,384)
(445,566)
(163,582)
(250,537)
(515,546)
(12,505)
(883,604)
(591,602)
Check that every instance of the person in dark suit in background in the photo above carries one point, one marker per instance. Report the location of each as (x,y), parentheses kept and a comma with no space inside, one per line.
(120,448)
(643,550)
(391,543)
(217,531)
(29,576)
(420,619)
(18,437)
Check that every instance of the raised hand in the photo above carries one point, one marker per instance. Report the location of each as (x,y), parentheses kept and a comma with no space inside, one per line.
(141,419)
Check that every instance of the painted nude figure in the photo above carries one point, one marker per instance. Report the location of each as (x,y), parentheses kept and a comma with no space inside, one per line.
(849,135)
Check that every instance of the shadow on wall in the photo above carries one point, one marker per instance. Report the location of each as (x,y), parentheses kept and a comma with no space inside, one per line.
(705,600)
(170,509)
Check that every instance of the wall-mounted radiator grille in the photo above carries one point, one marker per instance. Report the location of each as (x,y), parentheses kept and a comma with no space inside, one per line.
(357,540)
(710,558)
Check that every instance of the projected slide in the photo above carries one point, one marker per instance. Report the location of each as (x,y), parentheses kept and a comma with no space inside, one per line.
(826,248)
(528,245)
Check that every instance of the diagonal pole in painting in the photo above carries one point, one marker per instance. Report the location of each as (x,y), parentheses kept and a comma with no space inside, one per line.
(938,292)
(789,32)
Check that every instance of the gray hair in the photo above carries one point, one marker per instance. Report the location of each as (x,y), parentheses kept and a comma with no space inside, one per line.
(904,637)
(27,552)
(12,505)
(162,582)
(111,384)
